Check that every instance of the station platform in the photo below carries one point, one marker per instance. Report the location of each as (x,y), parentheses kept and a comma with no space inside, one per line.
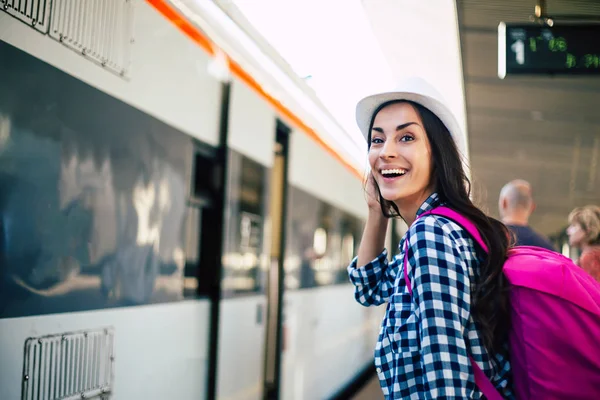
(370,391)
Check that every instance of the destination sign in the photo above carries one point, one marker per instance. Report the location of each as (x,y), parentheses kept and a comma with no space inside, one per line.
(538,49)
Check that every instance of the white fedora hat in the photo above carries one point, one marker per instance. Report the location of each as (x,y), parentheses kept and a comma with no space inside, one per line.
(416,90)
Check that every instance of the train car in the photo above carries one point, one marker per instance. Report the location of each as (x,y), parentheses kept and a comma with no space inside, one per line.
(177,211)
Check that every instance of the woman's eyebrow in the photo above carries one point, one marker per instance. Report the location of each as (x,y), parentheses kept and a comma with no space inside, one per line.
(398,128)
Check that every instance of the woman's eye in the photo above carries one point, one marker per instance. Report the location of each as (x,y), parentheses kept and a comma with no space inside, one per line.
(376,140)
(407,138)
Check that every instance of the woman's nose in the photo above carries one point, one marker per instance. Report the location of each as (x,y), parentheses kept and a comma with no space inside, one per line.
(389,150)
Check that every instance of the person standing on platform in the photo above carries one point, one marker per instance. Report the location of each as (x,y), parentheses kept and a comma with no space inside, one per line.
(516,206)
(584,233)
(447,314)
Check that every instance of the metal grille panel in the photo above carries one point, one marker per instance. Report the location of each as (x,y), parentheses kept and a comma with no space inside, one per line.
(99,29)
(33,12)
(75,365)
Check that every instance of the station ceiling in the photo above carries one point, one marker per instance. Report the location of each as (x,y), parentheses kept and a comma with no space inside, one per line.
(539,128)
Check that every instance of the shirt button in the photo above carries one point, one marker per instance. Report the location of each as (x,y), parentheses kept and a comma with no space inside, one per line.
(378,370)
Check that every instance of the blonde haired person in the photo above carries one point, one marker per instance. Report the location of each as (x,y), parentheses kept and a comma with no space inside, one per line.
(584,233)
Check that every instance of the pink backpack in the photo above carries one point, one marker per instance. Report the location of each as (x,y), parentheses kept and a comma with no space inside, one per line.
(555,333)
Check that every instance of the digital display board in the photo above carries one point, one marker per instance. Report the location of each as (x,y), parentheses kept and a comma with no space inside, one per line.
(537,49)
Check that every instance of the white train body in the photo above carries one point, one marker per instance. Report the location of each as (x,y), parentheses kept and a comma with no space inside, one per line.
(103,207)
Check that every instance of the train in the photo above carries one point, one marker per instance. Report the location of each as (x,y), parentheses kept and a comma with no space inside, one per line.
(177,211)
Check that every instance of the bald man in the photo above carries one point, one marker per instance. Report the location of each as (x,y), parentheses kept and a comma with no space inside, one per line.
(516,205)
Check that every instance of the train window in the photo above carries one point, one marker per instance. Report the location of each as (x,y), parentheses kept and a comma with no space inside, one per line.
(350,227)
(192,251)
(204,181)
(244,257)
(321,242)
(399,228)
(347,248)
(301,225)
(204,186)
(104,210)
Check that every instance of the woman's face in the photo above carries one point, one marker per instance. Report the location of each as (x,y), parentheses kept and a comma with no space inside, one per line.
(576,234)
(400,155)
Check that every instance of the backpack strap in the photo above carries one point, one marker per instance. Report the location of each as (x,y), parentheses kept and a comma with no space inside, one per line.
(481,380)
(460,220)
(454,216)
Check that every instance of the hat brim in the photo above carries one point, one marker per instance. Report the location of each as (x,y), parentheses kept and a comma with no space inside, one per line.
(367,107)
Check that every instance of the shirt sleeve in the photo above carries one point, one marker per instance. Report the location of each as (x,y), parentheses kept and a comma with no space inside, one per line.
(374,282)
(441,293)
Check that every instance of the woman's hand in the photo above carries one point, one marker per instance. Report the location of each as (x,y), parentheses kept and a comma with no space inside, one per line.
(373,238)
(372,194)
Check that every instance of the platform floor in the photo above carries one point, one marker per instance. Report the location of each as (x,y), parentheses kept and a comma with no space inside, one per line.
(371,391)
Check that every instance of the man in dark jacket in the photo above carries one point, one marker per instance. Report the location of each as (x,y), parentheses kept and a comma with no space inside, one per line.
(516,206)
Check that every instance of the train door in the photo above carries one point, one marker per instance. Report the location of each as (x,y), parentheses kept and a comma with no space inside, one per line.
(255,150)
(275,279)
(241,315)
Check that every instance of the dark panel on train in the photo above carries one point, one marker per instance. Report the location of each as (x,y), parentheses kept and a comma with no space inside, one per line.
(321,242)
(93,196)
(244,252)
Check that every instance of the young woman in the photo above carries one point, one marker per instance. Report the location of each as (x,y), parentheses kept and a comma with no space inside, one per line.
(584,233)
(458,308)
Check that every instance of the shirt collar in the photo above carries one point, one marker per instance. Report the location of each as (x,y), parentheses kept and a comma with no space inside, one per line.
(430,203)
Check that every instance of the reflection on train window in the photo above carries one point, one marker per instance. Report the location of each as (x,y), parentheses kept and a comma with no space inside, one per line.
(100,214)
(245,259)
(192,252)
(321,242)
(398,230)
(347,248)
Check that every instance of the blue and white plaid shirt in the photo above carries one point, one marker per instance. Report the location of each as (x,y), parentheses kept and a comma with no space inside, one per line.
(425,339)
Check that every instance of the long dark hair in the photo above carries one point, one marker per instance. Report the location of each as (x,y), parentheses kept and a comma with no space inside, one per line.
(490,303)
